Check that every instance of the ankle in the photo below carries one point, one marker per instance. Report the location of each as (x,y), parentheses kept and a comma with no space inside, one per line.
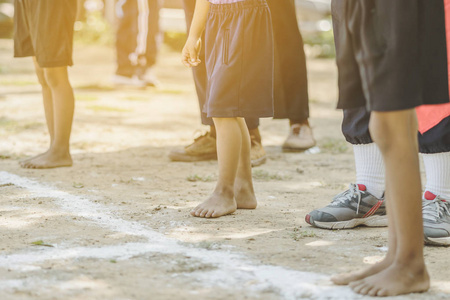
(224,191)
(59,151)
(304,122)
(242,183)
(255,134)
(413,261)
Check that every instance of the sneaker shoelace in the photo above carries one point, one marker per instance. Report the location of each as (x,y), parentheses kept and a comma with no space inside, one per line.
(434,210)
(348,195)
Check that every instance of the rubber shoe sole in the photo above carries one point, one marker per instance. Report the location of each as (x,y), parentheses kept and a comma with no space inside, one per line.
(259,161)
(288,149)
(441,242)
(181,157)
(373,221)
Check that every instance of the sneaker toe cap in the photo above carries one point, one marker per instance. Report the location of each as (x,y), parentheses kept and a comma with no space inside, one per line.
(320,216)
(432,232)
(297,143)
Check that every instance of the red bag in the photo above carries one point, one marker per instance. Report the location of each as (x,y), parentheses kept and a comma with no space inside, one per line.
(431,115)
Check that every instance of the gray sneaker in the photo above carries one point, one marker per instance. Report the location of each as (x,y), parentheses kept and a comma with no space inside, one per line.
(436,220)
(349,209)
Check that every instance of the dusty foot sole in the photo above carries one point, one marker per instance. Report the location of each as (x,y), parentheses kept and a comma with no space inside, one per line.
(347,278)
(47,162)
(374,221)
(393,281)
(40,167)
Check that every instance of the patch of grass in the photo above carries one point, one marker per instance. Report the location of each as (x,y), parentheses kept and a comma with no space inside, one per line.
(175,40)
(207,245)
(41,243)
(78,185)
(17,82)
(4,70)
(95,87)
(137,98)
(299,234)
(263,175)
(182,266)
(196,178)
(8,123)
(334,146)
(85,97)
(104,108)
(170,91)
(94,29)
(321,44)
(113,261)
(16,126)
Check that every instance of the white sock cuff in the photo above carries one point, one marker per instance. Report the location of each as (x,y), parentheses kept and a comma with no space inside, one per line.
(370,169)
(437,170)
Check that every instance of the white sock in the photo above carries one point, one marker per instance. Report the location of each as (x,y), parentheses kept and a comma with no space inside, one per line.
(437,170)
(370,168)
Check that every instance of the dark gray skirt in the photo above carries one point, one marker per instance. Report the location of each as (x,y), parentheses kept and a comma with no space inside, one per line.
(239,60)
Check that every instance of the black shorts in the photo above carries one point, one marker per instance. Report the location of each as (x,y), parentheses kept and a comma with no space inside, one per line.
(239,60)
(391,54)
(44,28)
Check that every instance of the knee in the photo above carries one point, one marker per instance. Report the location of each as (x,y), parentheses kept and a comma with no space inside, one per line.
(392,131)
(41,78)
(43,81)
(55,78)
(381,134)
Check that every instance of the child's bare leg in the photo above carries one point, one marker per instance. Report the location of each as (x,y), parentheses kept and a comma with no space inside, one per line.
(243,186)
(395,134)
(48,105)
(347,278)
(63,110)
(229,143)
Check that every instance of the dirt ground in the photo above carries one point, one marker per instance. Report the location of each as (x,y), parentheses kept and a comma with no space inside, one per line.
(117,226)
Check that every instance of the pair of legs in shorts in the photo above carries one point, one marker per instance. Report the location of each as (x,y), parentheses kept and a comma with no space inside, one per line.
(137,41)
(44,31)
(391,58)
(369,188)
(291,90)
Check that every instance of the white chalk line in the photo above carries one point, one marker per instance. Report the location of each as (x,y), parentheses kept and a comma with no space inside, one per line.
(232,268)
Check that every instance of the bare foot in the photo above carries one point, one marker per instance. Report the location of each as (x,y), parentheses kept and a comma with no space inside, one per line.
(245,197)
(31,158)
(347,278)
(215,206)
(394,280)
(48,160)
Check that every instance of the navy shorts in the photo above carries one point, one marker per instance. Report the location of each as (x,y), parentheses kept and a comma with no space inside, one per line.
(239,60)
(44,28)
(391,54)
(355,128)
